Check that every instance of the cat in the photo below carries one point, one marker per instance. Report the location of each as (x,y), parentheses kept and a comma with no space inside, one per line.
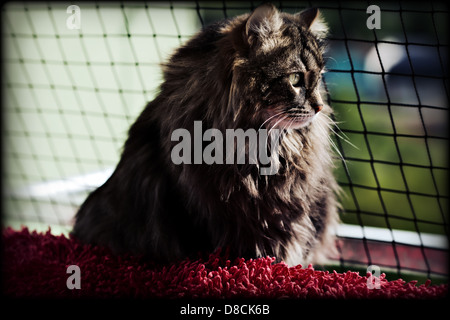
(257,70)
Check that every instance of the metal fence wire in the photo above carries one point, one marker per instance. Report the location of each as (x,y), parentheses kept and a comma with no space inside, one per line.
(70,95)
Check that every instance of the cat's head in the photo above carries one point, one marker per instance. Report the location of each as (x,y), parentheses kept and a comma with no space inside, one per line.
(278,67)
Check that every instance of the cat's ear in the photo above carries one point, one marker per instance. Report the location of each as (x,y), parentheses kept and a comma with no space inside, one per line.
(262,22)
(312,20)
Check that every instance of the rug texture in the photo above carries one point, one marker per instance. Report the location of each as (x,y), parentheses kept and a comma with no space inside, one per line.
(37,265)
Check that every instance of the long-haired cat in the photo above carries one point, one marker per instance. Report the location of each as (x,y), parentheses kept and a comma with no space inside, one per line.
(259,70)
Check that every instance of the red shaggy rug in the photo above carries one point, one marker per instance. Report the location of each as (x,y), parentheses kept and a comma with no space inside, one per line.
(36,265)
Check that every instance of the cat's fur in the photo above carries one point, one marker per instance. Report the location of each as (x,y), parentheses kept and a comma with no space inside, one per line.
(233,74)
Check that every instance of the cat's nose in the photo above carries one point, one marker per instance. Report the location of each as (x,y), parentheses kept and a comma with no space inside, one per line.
(317,107)
(316,102)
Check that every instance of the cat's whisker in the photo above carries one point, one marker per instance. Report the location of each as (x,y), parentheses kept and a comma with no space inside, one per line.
(335,124)
(277,114)
(335,148)
(282,118)
(289,124)
(333,59)
(343,137)
(286,124)
(286,127)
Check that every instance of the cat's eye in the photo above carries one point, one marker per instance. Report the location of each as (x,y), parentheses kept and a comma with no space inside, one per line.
(295,79)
